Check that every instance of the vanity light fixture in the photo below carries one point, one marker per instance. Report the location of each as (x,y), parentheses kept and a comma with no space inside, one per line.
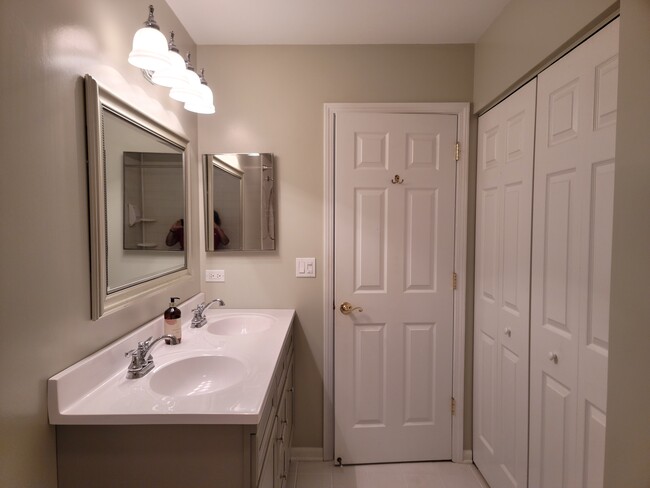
(205,103)
(173,75)
(162,64)
(190,89)
(149,51)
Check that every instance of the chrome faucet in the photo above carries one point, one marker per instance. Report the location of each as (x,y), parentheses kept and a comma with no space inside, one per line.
(199,320)
(141,359)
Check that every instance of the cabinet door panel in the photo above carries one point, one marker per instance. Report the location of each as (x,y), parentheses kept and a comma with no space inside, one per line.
(266,477)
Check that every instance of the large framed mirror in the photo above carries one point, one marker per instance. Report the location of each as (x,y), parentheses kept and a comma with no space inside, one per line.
(138,201)
(240,203)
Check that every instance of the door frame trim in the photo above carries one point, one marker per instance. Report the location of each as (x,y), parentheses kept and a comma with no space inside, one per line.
(461,110)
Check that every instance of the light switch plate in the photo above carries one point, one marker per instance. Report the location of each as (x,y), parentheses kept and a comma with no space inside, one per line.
(305,267)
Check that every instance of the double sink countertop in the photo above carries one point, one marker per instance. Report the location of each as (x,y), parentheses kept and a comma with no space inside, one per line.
(218,374)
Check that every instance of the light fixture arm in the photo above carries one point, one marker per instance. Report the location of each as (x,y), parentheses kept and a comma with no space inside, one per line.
(172,44)
(151,22)
(188,62)
(202,77)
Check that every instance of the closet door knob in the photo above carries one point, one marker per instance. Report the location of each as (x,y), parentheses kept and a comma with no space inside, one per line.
(552,356)
(507,331)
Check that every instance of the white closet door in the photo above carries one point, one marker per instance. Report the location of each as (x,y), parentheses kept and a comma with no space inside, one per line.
(572,235)
(502,291)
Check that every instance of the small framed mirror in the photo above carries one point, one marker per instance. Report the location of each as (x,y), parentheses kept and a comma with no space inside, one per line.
(240,203)
(137,177)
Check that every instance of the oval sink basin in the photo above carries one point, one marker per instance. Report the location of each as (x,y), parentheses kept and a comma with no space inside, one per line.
(240,324)
(197,375)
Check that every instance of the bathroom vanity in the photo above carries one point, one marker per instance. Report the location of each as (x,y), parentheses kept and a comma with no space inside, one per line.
(216,410)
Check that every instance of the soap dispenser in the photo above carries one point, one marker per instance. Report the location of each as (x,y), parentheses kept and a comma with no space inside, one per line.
(173,321)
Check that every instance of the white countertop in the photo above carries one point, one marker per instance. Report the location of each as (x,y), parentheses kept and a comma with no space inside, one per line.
(96,391)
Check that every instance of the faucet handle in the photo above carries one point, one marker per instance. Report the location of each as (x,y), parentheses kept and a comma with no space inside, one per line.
(141,347)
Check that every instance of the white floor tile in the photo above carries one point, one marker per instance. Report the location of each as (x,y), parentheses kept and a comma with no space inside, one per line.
(407,475)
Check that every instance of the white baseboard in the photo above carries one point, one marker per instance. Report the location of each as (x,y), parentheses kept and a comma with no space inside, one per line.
(316,454)
(306,453)
(467,456)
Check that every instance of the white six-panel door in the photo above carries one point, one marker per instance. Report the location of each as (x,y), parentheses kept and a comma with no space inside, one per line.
(394,258)
(572,236)
(502,288)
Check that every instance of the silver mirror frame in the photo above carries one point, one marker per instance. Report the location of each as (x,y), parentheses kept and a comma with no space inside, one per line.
(212,161)
(99,98)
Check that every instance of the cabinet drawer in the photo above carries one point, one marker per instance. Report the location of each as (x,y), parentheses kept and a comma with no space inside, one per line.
(289,401)
(266,434)
(283,365)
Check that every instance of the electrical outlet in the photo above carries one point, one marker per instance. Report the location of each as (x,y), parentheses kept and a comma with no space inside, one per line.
(218,275)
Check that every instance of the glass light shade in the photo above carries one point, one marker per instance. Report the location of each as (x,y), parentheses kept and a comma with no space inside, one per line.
(183,93)
(149,49)
(203,104)
(174,75)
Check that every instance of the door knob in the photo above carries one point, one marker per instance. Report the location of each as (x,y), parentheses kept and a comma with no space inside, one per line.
(507,331)
(553,357)
(346,308)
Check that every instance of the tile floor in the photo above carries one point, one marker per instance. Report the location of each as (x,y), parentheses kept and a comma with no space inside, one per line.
(309,474)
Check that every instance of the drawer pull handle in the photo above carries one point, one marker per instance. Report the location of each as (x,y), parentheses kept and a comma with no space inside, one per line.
(507,331)
(553,357)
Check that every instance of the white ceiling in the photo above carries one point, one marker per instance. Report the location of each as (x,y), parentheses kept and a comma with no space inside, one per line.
(336,21)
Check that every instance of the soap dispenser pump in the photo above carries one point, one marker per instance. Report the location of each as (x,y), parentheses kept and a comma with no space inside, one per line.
(173,321)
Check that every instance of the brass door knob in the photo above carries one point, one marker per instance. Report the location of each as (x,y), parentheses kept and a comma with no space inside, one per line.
(346,308)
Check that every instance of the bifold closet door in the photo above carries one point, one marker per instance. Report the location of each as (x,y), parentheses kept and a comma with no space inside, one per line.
(502,290)
(572,237)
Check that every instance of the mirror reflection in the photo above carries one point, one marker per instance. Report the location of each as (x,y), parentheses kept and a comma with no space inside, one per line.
(153,201)
(240,202)
(127,265)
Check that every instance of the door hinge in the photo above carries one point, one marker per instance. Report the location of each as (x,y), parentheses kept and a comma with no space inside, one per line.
(457,151)
(453,406)
(454,280)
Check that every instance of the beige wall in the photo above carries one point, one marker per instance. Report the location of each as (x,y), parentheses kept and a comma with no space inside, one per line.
(627,449)
(46,47)
(525,34)
(270,99)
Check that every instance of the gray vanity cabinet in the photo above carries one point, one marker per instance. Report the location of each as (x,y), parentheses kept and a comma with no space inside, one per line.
(271,441)
(173,456)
